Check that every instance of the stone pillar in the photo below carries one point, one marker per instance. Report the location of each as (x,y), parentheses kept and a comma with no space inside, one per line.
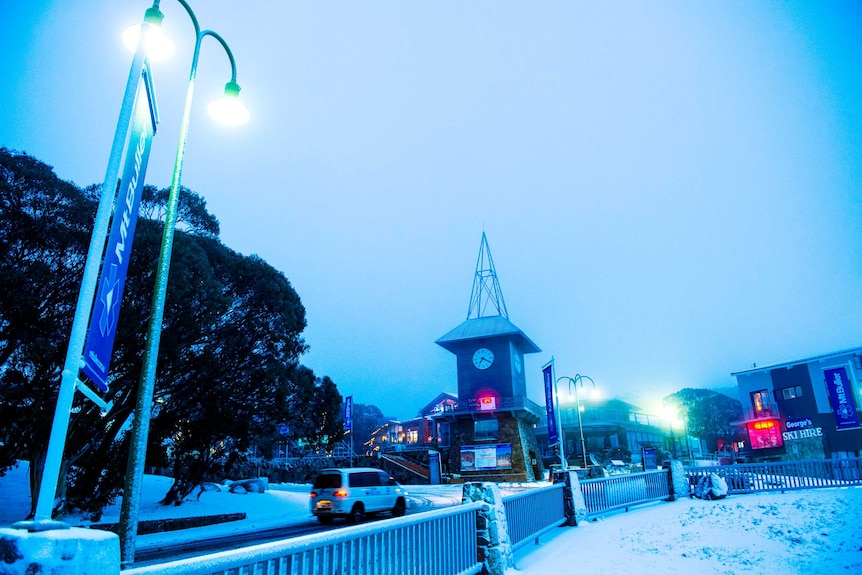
(574,505)
(492,529)
(677,482)
(72,551)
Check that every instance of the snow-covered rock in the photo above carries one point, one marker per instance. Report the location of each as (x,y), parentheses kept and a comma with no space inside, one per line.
(711,486)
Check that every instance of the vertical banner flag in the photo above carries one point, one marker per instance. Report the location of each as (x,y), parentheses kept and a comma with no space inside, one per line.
(841,397)
(106,308)
(348,413)
(548,373)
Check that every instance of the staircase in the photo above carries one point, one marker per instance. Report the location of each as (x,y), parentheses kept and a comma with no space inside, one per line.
(404,464)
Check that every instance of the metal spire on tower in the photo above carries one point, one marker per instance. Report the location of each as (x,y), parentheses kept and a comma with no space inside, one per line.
(486,287)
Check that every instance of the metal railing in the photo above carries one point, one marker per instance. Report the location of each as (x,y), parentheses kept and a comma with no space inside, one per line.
(624,491)
(441,542)
(783,475)
(534,512)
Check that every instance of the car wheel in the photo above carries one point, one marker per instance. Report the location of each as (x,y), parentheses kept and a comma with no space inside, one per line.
(357,514)
(399,508)
(326,520)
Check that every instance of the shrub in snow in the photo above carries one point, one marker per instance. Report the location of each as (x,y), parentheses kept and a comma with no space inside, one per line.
(711,486)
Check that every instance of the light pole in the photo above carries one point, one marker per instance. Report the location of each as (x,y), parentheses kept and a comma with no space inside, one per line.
(687,439)
(69,381)
(234,113)
(674,420)
(578,382)
(672,438)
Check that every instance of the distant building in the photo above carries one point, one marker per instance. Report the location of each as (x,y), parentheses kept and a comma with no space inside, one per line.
(803,409)
(417,434)
(615,429)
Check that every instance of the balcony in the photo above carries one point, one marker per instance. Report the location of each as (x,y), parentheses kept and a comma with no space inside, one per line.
(518,404)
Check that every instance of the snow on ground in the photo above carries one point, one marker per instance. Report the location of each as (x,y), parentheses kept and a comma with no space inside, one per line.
(283,504)
(810,532)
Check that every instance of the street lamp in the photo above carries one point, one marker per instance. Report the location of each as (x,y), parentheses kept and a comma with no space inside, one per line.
(674,420)
(236,113)
(578,382)
(156,43)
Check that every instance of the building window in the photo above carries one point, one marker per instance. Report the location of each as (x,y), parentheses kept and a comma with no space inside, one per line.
(760,402)
(485,428)
(789,392)
(764,434)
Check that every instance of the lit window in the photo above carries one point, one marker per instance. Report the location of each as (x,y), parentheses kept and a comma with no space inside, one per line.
(760,402)
(764,434)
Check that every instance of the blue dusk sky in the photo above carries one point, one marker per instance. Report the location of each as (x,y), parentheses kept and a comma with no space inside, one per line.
(671,190)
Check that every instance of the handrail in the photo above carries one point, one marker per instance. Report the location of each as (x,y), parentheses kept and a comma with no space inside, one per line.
(783,475)
(624,491)
(404,465)
(389,547)
(533,512)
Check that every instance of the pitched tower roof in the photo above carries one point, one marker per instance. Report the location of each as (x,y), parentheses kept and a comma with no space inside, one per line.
(486,287)
(487,315)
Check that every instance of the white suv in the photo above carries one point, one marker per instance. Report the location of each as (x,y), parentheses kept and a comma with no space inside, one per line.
(354,493)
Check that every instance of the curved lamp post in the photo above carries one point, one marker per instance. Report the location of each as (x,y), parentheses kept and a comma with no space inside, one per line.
(232,112)
(578,382)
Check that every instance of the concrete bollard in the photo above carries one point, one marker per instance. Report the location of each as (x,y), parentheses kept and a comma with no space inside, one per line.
(492,529)
(678,486)
(72,551)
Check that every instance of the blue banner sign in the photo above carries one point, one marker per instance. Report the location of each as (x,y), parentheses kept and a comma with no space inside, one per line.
(841,398)
(106,309)
(348,413)
(548,373)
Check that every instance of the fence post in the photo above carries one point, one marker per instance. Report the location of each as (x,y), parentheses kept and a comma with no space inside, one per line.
(677,482)
(574,505)
(494,546)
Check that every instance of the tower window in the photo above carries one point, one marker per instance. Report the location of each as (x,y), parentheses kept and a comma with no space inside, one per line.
(485,428)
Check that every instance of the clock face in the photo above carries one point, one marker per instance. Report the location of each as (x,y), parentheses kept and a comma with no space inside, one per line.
(517,363)
(483,358)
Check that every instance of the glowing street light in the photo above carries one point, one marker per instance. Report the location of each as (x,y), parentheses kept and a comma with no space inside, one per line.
(228,109)
(672,416)
(577,383)
(237,113)
(156,43)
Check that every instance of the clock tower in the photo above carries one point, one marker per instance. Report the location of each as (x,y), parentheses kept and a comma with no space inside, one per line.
(491,427)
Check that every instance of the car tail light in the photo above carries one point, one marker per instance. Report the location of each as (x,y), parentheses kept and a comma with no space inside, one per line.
(341,493)
(313,494)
